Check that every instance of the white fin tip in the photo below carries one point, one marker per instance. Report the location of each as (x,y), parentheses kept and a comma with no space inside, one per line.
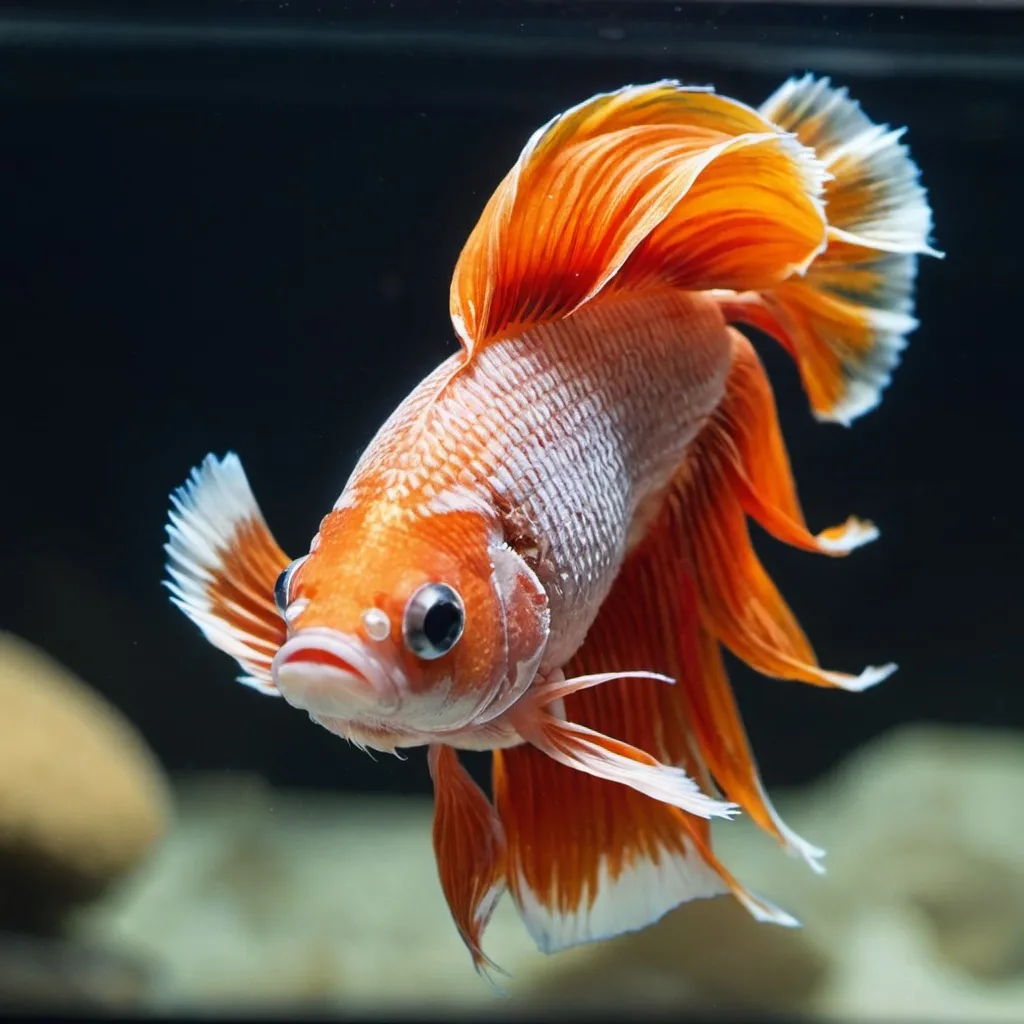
(853,534)
(762,910)
(871,676)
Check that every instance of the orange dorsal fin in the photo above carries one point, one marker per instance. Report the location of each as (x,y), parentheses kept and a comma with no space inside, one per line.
(650,186)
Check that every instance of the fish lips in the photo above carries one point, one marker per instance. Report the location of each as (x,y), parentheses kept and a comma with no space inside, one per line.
(330,674)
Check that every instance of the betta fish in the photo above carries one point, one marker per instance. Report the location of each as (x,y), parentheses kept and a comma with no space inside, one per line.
(544,551)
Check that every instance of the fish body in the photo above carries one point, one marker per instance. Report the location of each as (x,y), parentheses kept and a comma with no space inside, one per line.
(576,427)
(544,550)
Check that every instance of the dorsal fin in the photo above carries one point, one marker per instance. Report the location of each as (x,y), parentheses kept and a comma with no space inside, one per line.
(650,186)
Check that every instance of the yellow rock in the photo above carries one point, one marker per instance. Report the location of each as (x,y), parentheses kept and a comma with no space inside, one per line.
(82,799)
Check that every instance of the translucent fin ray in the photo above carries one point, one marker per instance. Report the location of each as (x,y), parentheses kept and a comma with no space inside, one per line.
(222,564)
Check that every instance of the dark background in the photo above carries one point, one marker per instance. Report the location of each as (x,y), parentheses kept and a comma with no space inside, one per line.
(236,228)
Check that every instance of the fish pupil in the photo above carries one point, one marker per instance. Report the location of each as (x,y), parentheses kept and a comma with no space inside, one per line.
(282,588)
(434,619)
(442,623)
(281,591)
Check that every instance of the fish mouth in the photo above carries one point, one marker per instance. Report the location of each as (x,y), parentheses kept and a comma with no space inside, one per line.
(327,673)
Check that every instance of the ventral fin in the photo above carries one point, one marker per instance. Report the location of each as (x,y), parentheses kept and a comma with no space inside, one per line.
(222,564)
(469,845)
(614,760)
(650,186)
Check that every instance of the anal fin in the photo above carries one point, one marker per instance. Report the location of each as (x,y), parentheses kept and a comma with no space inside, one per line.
(738,467)
(588,858)
(721,593)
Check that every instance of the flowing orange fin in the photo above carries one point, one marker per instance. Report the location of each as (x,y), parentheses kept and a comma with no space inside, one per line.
(223,563)
(699,725)
(589,858)
(469,844)
(738,602)
(654,185)
(753,455)
(711,712)
(655,615)
(847,320)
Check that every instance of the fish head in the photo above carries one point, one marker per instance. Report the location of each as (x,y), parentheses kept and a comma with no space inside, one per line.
(403,628)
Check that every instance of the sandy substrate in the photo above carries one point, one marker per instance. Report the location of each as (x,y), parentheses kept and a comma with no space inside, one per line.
(273,900)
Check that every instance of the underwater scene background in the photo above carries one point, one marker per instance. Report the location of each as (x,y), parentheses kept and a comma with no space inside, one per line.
(232,227)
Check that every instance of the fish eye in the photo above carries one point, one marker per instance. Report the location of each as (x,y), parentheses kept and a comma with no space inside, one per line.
(282,587)
(434,620)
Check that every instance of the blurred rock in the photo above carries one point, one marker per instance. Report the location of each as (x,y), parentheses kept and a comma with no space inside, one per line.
(295,902)
(82,800)
(941,810)
(299,901)
(923,903)
(54,975)
(710,954)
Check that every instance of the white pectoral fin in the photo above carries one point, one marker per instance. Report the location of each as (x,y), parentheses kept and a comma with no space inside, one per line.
(222,564)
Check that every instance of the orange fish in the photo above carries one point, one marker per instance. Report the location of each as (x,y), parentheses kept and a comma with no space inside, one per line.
(545,547)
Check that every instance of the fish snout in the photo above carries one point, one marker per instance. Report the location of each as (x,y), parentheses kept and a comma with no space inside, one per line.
(329,674)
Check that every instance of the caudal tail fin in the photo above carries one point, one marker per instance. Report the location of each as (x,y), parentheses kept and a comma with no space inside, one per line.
(847,319)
